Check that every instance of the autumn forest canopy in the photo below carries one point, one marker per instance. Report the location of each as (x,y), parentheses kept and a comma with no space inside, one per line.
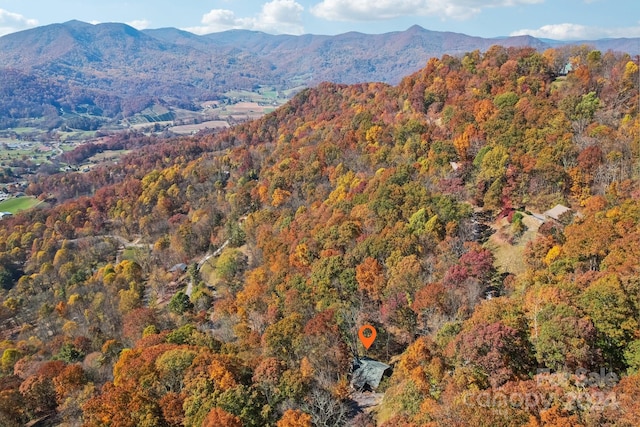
(221,279)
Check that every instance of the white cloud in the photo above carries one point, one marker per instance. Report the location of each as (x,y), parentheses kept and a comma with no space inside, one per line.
(569,31)
(365,10)
(11,22)
(276,16)
(139,24)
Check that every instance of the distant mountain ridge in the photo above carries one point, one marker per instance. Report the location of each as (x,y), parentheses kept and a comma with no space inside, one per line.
(115,69)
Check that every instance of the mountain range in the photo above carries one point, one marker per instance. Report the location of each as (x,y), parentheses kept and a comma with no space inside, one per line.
(113,70)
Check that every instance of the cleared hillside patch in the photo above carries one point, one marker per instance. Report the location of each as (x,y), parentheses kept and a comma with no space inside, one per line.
(508,249)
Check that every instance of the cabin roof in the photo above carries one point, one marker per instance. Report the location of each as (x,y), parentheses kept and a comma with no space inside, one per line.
(556,211)
(178,267)
(368,372)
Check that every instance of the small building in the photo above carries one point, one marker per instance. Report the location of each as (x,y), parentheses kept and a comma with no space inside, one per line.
(178,268)
(556,212)
(367,374)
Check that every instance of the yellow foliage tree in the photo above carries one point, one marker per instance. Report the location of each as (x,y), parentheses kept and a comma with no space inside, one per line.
(279,197)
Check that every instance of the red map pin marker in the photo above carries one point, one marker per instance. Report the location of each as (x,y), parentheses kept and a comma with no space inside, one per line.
(367,341)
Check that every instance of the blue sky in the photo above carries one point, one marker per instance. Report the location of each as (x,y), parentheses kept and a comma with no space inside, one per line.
(559,19)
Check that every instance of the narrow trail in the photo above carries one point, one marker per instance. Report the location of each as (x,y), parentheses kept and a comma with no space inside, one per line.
(215,253)
(124,242)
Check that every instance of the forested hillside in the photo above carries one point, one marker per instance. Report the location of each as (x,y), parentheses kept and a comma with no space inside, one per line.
(222,280)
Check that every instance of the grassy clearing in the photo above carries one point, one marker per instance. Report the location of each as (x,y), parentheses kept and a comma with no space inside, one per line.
(135,254)
(510,257)
(211,124)
(18,204)
(208,271)
(77,135)
(129,254)
(245,95)
(108,155)
(23,130)
(264,95)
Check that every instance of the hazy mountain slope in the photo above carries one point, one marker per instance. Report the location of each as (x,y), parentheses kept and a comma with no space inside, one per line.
(357,57)
(121,70)
(629,45)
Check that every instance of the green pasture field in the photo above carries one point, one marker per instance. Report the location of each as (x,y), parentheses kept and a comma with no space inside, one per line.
(18,204)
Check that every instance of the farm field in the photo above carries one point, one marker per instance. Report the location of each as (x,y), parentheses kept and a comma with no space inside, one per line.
(244,110)
(18,204)
(264,94)
(188,129)
(105,156)
(238,106)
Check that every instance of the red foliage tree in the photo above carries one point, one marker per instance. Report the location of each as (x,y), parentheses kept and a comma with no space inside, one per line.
(499,350)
